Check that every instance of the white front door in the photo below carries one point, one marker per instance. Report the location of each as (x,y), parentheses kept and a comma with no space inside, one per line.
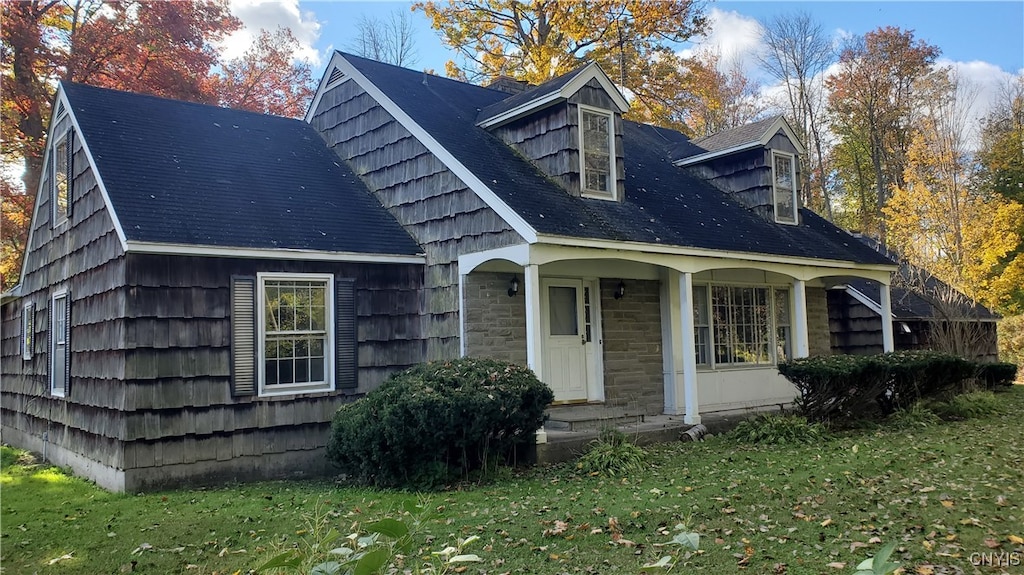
(565,349)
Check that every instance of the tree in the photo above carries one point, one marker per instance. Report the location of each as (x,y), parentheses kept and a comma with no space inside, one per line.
(797,52)
(539,40)
(265,79)
(15,217)
(387,40)
(939,219)
(1002,151)
(872,101)
(723,99)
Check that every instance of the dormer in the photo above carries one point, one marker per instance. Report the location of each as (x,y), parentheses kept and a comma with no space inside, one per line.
(570,128)
(756,164)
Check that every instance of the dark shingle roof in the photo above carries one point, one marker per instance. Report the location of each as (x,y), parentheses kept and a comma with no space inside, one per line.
(534,93)
(184,173)
(910,304)
(739,136)
(663,204)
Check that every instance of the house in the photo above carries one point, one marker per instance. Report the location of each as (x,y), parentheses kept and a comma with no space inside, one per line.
(434,218)
(927,313)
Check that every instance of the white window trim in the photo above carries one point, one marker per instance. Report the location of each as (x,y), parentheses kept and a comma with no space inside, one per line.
(28,329)
(261,338)
(58,219)
(59,294)
(613,184)
(796,199)
(773,327)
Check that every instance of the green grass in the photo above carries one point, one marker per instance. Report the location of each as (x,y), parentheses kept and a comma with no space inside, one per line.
(942,492)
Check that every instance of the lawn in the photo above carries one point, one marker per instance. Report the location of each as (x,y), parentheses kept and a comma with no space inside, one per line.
(945,493)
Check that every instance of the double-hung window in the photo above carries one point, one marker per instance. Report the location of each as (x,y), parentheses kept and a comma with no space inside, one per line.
(740,325)
(295,335)
(62,176)
(785,188)
(597,157)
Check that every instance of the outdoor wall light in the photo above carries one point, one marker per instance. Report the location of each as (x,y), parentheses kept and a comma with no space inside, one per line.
(513,287)
(621,290)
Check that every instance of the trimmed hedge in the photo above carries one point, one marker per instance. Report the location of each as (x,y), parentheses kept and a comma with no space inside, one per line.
(437,422)
(994,375)
(851,387)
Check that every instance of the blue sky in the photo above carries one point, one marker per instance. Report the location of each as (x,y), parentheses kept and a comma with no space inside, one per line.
(984,40)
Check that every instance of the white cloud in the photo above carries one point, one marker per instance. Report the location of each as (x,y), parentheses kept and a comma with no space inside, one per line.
(982,80)
(735,37)
(269,15)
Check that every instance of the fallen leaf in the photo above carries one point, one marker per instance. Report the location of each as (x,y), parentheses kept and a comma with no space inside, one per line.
(836,565)
(946,503)
(1016,540)
(925,570)
(991,543)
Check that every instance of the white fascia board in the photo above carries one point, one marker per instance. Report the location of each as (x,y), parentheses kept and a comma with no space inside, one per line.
(591,72)
(513,219)
(868,302)
(518,254)
(780,123)
(720,254)
(62,98)
(269,253)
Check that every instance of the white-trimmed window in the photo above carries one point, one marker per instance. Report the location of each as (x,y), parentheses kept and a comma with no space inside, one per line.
(740,325)
(785,187)
(61,180)
(60,332)
(295,333)
(28,330)
(597,157)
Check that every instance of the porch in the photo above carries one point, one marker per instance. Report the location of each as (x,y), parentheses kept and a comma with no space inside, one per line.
(625,337)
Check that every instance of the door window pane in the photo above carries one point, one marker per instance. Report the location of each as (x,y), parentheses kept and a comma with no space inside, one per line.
(562,318)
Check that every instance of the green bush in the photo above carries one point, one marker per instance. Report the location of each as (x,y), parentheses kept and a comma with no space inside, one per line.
(994,375)
(612,453)
(968,406)
(1011,339)
(849,387)
(915,416)
(438,422)
(779,429)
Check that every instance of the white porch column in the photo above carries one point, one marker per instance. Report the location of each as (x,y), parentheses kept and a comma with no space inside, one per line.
(692,416)
(672,343)
(462,314)
(885,301)
(534,338)
(801,346)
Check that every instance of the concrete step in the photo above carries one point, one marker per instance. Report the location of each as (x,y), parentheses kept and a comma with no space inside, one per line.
(589,418)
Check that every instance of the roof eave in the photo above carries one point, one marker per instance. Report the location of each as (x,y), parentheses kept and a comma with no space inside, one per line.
(271,253)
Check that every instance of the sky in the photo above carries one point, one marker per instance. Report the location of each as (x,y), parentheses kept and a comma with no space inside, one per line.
(983,40)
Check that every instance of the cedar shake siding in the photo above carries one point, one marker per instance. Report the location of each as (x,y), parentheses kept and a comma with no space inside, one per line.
(550,138)
(84,257)
(434,206)
(747,176)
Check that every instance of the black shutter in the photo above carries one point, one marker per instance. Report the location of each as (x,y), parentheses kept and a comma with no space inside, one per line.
(346,355)
(71,171)
(243,335)
(67,344)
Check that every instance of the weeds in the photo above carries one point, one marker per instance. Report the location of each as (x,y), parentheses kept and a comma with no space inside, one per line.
(612,454)
(779,429)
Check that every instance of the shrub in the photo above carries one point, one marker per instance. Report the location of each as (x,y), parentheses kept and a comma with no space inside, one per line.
(993,375)
(1011,339)
(846,387)
(779,429)
(438,421)
(968,406)
(612,453)
(914,417)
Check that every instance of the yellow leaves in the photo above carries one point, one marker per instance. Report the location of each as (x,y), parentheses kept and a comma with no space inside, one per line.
(1015,540)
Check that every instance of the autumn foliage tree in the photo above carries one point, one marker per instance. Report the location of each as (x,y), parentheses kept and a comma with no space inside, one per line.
(538,40)
(723,96)
(872,103)
(167,49)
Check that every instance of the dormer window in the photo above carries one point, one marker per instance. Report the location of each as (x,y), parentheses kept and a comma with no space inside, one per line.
(784,179)
(596,144)
(61,179)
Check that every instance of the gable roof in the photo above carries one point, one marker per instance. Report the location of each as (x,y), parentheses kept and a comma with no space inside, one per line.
(663,204)
(549,93)
(752,135)
(189,174)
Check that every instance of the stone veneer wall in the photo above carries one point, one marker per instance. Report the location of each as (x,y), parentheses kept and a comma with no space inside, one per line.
(632,345)
(495,323)
(818,336)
